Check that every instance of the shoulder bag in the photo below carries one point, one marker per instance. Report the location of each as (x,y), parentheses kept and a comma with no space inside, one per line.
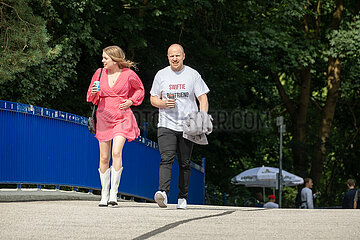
(92,118)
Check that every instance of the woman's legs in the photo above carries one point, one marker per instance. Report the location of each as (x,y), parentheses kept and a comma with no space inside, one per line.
(104,172)
(116,169)
(118,145)
(105,148)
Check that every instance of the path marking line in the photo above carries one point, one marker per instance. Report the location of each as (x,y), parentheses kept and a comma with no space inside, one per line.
(175,224)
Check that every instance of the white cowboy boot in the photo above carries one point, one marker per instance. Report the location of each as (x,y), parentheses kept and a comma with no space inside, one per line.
(115,181)
(105,185)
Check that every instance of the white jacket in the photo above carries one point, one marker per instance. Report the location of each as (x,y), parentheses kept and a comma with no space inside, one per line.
(196,125)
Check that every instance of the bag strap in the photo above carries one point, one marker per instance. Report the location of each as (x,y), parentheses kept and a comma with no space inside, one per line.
(100,74)
(94,109)
(99,81)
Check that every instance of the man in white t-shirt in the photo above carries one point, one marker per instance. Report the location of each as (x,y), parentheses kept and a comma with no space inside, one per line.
(174,91)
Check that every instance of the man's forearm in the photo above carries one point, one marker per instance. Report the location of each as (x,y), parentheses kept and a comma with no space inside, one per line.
(204,103)
(157,102)
(204,107)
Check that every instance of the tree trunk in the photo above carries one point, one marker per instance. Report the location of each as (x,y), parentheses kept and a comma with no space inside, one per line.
(143,8)
(299,124)
(298,113)
(327,118)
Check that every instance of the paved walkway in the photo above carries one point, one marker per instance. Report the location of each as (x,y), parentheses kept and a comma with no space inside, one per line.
(82,219)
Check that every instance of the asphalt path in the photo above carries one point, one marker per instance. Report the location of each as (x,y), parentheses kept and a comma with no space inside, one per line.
(83,219)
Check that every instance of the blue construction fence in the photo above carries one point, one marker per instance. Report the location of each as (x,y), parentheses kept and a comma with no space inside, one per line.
(48,147)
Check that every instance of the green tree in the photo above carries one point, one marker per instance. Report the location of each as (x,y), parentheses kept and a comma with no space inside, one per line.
(24,39)
(301,46)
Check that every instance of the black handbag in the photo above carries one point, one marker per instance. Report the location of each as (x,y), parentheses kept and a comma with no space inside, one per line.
(92,121)
(92,118)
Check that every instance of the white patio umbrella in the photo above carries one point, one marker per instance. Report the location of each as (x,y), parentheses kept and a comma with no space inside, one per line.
(265,177)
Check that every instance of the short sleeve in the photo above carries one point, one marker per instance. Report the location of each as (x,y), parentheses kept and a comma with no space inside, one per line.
(200,86)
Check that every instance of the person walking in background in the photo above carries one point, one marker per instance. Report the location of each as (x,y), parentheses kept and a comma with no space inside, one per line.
(174,91)
(307,197)
(348,201)
(356,204)
(120,88)
(271,203)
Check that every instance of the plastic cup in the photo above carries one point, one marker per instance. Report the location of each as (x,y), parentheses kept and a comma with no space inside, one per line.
(97,85)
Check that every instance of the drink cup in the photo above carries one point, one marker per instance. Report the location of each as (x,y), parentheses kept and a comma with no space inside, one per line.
(171,97)
(97,85)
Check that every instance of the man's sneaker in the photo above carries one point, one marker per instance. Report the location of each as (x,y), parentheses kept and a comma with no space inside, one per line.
(161,199)
(181,203)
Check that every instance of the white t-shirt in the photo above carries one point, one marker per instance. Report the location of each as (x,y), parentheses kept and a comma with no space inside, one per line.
(187,85)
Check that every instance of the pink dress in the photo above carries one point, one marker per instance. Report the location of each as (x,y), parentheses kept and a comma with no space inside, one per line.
(111,120)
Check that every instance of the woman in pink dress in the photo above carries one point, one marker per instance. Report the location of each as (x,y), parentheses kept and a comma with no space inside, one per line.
(120,87)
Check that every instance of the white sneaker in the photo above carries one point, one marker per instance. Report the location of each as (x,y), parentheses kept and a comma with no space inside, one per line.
(161,199)
(182,204)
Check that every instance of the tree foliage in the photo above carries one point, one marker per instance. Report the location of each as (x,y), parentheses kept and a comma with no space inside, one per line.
(24,39)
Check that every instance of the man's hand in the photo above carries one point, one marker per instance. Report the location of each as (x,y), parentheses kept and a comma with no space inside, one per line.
(170,103)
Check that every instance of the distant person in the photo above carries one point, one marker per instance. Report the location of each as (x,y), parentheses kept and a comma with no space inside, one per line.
(271,203)
(298,198)
(259,199)
(307,197)
(175,92)
(349,196)
(357,199)
(120,88)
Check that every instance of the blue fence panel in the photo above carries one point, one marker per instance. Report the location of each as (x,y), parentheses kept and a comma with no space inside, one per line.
(45,146)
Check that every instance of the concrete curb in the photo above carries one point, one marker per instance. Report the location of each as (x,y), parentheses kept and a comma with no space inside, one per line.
(30,194)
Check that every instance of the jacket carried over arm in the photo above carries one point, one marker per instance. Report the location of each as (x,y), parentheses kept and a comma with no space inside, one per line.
(196,125)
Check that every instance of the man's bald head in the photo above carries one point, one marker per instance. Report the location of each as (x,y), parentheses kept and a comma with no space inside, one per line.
(176,57)
(176,46)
